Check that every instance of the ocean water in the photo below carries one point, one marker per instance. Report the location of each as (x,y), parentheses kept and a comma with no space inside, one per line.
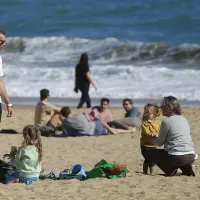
(143,49)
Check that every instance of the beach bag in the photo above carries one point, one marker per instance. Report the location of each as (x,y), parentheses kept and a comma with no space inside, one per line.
(49,174)
(76,172)
(110,170)
(6,170)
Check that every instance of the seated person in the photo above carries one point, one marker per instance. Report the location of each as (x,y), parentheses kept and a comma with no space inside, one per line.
(100,112)
(47,116)
(28,158)
(132,118)
(78,125)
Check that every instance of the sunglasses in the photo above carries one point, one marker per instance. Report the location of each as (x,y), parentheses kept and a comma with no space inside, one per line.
(2,42)
(125,104)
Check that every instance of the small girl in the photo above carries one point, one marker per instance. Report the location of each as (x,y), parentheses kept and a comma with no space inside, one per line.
(28,157)
(150,128)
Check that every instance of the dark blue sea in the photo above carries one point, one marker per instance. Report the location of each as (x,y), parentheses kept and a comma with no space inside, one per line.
(143,49)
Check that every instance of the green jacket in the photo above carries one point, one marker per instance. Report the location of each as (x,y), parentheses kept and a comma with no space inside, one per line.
(27,161)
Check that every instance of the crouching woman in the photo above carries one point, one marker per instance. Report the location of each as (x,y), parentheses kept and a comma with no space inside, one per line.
(178,154)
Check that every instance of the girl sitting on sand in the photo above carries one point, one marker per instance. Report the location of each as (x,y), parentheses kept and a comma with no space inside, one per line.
(28,157)
(150,127)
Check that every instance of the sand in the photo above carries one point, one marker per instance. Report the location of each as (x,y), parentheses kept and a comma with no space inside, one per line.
(62,153)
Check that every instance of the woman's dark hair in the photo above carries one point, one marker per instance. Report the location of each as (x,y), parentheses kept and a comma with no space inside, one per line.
(65,111)
(172,103)
(84,61)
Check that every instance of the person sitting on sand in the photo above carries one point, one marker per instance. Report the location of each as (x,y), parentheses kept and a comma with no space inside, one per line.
(101,112)
(132,118)
(178,154)
(78,125)
(47,116)
(28,158)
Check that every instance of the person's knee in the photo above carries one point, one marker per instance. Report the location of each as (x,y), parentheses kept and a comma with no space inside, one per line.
(48,130)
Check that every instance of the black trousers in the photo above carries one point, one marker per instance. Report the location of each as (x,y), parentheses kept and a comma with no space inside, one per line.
(170,163)
(85,98)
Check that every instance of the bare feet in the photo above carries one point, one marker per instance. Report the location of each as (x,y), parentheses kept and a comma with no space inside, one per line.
(14,181)
(112,131)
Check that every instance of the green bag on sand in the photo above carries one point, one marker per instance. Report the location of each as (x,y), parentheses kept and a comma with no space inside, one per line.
(110,170)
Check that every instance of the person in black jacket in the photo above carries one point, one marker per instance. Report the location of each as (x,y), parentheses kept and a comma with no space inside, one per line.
(82,80)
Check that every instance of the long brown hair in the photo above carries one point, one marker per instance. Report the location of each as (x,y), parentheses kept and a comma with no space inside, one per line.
(32,137)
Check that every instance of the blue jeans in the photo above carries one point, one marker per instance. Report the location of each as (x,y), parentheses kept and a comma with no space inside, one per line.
(27,181)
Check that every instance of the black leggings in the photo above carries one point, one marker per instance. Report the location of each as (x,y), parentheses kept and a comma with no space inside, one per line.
(84,97)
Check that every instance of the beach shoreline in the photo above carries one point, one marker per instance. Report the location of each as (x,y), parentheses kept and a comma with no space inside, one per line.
(114,102)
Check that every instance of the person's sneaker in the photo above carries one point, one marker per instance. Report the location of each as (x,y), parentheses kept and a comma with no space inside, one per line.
(194,170)
(178,172)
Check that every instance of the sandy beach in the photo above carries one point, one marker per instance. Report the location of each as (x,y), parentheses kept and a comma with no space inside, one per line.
(62,153)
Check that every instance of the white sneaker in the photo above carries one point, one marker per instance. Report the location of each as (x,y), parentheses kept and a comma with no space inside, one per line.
(195,170)
(178,172)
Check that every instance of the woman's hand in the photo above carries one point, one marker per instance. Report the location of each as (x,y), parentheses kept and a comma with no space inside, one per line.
(153,135)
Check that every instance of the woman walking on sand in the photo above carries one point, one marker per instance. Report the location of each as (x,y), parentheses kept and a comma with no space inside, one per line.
(82,80)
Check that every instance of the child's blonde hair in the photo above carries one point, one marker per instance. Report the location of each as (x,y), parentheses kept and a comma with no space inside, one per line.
(32,137)
(154,107)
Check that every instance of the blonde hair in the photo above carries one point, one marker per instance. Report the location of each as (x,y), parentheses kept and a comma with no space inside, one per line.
(154,107)
(172,103)
(32,137)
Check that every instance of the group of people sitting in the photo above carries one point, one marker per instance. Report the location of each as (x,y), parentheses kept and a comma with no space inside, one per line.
(97,120)
(176,158)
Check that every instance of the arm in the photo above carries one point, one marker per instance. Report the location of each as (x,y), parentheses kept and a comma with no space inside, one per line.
(5,97)
(146,129)
(151,128)
(18,158)
(109,118)
(51,109)
(162,134)
(89,78)
(87,113)
(75,82)
(57,110)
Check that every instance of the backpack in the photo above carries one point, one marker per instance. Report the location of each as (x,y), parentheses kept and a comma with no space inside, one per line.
(6,170)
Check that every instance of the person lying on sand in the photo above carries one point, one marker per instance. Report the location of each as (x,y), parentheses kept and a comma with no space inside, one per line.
(78,125)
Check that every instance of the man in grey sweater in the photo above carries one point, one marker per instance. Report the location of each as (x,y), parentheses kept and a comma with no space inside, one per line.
(178,154)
